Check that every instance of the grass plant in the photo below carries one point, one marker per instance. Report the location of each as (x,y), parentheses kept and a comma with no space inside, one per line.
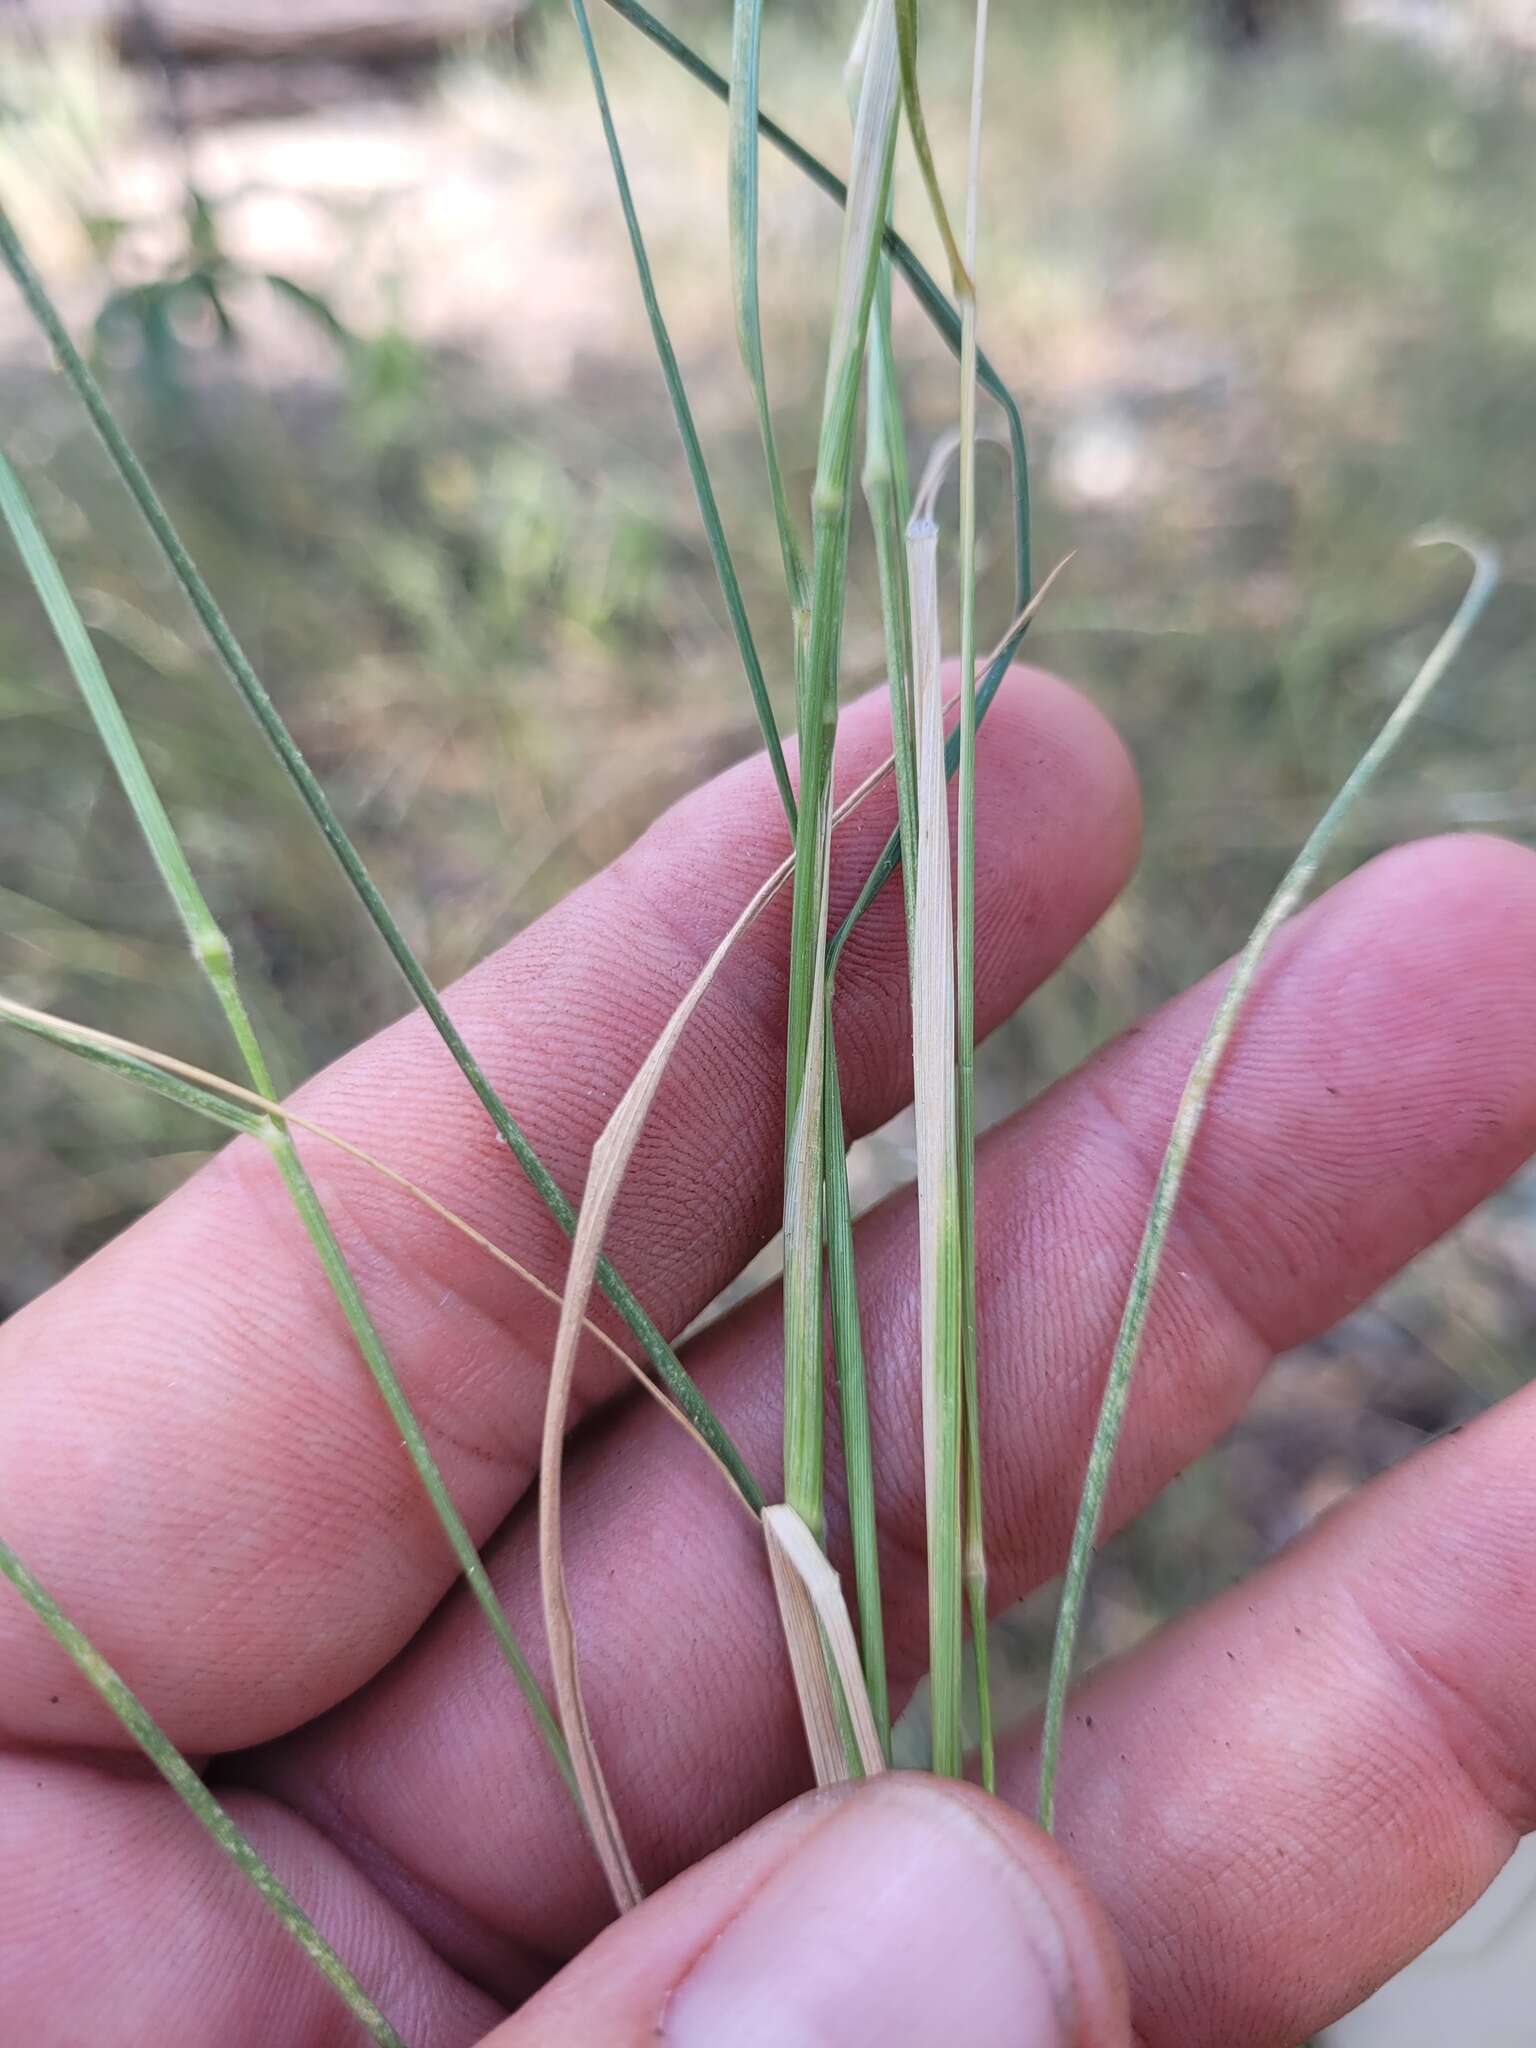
(839,1666)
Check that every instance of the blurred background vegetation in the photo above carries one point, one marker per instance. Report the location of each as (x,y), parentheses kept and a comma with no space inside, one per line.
(1262,279)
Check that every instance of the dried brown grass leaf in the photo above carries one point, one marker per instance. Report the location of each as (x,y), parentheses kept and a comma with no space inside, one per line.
(816,1620)
(605,1176)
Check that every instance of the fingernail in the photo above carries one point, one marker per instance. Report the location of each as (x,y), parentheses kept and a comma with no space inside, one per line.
(902,1920)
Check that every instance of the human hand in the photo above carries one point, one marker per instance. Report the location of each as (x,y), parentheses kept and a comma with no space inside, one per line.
(1261,1814)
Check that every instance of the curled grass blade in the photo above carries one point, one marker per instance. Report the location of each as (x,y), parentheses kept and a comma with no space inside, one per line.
(251,690)
(709,511)
(199,1801)
(211,950)
(1286,900)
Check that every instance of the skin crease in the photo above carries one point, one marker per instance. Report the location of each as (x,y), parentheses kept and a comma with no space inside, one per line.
(1280,1799)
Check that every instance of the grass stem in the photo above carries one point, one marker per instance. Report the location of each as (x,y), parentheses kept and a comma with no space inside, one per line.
(869,189)
(200,1802)
(933,1058)
(965,935)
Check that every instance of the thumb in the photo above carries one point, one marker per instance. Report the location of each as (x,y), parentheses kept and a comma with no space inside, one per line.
(903,1911)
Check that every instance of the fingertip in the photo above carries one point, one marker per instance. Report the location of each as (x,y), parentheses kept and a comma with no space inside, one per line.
(905,1910)
(1475,887)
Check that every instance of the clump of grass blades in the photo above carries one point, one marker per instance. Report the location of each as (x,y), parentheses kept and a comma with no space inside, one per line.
(840,1674)
(254,695)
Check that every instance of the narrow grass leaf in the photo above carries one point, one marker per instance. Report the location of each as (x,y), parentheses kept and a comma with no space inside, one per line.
(869,189)
(912,100)
(933,1054)
(804,1222)
(209,946)
(887,492)
(194,1794)
(975,1571)
(213,954)
(746,45)
(853,1403)
(251,690)
(1286,900)
(129,1065)
(243,1110)
(946,320)
(709,510)
(821,1643)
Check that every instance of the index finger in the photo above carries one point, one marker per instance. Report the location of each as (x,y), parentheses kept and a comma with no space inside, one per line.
(190,1452)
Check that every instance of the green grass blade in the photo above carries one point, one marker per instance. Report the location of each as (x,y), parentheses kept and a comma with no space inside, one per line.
(213,954)
(344,1286)
(853,1409)
(946,319)
(663,1358)
(939,309)
(709,511)
(1283,904)
(885,489)
(888,494)
(933,1060)
(242,1109)
(869,191)
(965,937)
(184,1093)
(209,946)
(194,1794)
(917,127)
(746,44)
(804,1223)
